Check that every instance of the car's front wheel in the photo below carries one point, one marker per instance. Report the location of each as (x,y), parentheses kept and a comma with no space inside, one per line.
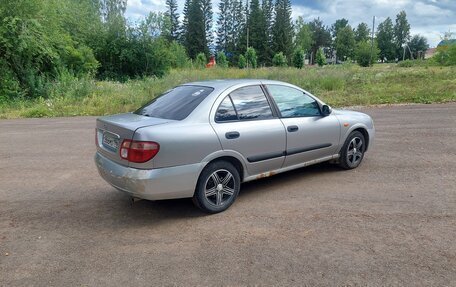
(352,151)
(217,187)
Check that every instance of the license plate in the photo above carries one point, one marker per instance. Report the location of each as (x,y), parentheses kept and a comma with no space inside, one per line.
(110,141)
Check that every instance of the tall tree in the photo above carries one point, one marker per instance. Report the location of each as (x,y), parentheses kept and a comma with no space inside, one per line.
(401,32)
(282,30)
(303,39)
(111,9)
(345,43)
(183,31)
(238,34)
(321,36)
(195,38)
(258,37)
(173,18)
(268,10)
(362,32)
(224,24)
(339,24)
(206,5)
(385,40)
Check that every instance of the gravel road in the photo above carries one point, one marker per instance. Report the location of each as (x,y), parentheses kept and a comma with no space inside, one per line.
(392,221)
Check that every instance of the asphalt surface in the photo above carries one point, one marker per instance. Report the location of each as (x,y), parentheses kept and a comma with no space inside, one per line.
(392,221)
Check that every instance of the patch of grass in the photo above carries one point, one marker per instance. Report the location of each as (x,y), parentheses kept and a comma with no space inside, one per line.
(342,85)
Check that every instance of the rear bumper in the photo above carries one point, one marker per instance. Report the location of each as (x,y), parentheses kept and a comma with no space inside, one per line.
(154,184)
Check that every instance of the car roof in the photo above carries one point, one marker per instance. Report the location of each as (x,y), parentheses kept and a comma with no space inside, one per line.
(227,83)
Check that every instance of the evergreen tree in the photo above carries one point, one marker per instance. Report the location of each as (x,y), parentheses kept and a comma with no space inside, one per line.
(385,40)
(320,58)
(401,33)
(222,62)
(238,33)
(345,43)
(279,60)
(195,38)
(251,57)
(268,11)
(339,24)
(224,24)
(335,28)
(173,18)
(362,32)
(282,30)
(258,38)
(298,58)
(321,36)
(184,28)
(206,5)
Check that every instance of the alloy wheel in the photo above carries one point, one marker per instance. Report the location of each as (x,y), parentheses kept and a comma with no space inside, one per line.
(219,187)
(355,151)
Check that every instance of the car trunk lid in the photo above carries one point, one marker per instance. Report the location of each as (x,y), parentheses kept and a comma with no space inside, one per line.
(112,130)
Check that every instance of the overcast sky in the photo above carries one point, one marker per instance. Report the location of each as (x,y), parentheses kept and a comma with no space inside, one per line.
(429,18)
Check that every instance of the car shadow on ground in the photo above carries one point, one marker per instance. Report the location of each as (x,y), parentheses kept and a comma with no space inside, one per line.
(108,209)
(179,208)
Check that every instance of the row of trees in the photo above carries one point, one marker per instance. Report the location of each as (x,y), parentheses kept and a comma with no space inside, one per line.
(267,27)
(43,42)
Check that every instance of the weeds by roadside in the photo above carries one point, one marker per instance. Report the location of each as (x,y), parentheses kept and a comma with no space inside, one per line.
(342,85)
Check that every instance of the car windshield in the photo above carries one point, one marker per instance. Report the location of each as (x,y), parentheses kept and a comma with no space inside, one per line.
(175,104)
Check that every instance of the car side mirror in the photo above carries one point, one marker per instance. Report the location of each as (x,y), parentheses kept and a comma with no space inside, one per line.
(325,110)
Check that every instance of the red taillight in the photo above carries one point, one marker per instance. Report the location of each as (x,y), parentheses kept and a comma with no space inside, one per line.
(138,151)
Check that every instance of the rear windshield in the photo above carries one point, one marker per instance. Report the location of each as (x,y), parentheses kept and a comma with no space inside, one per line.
(175,104)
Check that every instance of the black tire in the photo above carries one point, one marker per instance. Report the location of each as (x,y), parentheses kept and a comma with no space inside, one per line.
(208,183)
(349,159)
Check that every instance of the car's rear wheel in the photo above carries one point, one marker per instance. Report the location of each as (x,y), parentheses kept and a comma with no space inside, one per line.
(352,152)
(218,187)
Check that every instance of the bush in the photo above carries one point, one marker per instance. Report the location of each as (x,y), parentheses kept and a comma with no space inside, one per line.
(221,60)
(363,54)
(242,62)
(406,64)
(80,60)
(298,58)
(9,85)
(200,61)
(446,55)
(320,58)
(179,57)
(251,57)
(279,60)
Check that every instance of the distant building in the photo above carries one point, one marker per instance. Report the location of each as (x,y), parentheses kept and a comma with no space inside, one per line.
(447,42)
(430,53)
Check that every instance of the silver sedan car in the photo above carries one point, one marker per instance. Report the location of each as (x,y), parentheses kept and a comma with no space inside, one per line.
(202,140)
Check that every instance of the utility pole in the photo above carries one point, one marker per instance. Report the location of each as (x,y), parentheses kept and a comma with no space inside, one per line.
(372,40)
(247,60)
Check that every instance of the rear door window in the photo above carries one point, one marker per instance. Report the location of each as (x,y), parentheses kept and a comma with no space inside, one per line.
(251,103)
(175,104)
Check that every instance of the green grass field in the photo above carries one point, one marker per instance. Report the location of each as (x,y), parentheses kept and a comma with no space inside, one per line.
(343,85)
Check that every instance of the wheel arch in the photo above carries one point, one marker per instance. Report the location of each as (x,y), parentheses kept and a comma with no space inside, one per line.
(360,128)
(232,157)
(364,132)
